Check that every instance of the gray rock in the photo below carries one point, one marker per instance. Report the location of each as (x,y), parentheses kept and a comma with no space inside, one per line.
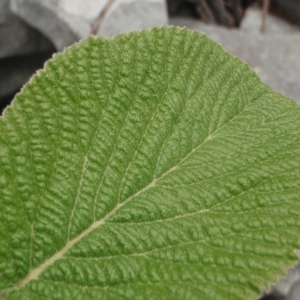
(16,71)
(294,293)
(22,51)
(289,287)
(4,10)
(66,21)
(274,57)
(128,15)
(16,37)
(47,18)
(253,18)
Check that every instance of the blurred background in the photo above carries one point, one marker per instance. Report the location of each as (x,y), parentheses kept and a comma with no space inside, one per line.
(263,33)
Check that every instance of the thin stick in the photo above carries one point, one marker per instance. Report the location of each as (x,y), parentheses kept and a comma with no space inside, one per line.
(205,13)
(266,6)
(97,22)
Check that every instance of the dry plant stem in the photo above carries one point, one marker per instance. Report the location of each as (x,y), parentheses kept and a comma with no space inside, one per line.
(266,6)
(97,22)
(222,16)
(237,12)
(219,12)
(204,12)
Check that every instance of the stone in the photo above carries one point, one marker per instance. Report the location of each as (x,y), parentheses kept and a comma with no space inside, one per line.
(274,25)
(289,288)
(46,17)
(128,15)
(16,37)
(64,22)
(294,293)
(16,71)
(4,10)
(23,50)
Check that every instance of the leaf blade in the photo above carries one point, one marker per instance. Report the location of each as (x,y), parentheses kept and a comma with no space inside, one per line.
(161,175)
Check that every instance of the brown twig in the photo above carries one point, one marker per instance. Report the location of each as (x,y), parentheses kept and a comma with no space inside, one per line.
(204,12)
(266,6)
(237,12)
(221,14)
(97,22)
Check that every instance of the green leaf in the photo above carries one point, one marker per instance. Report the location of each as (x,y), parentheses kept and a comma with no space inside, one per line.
(150,166)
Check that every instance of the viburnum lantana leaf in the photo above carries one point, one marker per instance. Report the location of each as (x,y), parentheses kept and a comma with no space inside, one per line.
(153,165)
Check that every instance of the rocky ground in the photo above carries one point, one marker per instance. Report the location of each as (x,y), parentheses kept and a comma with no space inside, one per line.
(32,30)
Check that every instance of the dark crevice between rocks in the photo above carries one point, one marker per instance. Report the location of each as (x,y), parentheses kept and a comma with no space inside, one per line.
(15,71)
(230,13)
(23,50)
(287,9)
(271,297)
(227,13)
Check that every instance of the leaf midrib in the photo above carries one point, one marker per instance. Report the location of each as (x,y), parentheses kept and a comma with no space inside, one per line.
(35,273)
